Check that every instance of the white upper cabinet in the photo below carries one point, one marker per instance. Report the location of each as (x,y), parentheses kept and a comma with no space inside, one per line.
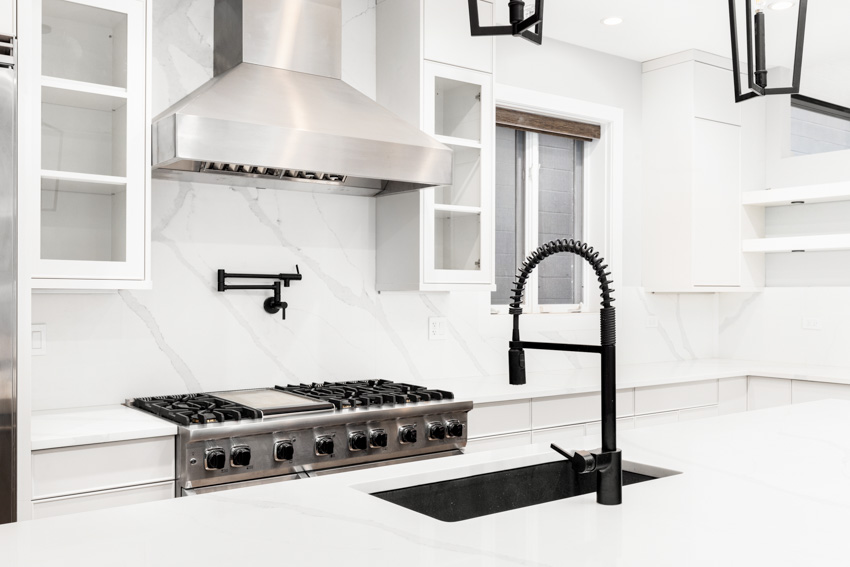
(447,37)
(438,239)
(7,17)
(91,205)
(694,138)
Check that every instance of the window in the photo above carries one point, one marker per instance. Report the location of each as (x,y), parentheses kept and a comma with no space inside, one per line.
(818,126)
(539,197)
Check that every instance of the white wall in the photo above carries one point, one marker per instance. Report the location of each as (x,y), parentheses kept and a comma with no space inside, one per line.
(184,336)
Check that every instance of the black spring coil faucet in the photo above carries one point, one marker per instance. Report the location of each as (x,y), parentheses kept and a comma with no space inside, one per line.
(607,461)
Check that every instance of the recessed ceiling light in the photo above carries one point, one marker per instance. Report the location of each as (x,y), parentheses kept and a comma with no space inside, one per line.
(781,5)
(612,21)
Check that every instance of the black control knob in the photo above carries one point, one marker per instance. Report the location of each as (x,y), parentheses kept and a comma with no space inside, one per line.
(240,456)
(284,451)
(407,434)
(436,431)
(215,459)
(454,429)
(324,446)
(379,439)
(358,441)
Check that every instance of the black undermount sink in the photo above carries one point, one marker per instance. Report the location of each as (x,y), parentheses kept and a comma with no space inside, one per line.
(481,495)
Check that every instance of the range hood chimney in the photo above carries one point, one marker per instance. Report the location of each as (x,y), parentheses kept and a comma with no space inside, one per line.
(276,112)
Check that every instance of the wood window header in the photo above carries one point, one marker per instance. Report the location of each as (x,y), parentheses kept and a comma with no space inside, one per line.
(547,124)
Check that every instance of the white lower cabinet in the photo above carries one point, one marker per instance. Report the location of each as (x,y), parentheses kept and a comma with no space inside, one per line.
(498,442)
(558,434)
(102,475)
(102,499)
(499,418)
(732,395)
(699,413)
(656,399)
(578,408)
(803,391)
(763,393)
(654,419)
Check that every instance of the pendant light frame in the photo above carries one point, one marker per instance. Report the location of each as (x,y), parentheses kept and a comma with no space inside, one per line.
(756,89)
(520,28)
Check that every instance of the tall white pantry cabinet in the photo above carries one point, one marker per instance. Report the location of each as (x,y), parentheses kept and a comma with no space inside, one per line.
(432,73)
(84,182)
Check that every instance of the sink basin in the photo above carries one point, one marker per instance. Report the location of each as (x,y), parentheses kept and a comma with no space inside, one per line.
(481,495)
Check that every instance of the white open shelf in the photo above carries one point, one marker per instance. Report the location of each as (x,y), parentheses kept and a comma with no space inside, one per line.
(83,177)
(457,209)
(79,94)
(814,243)
(822,193)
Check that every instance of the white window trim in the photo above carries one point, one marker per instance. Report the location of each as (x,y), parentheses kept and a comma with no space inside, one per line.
(603,163)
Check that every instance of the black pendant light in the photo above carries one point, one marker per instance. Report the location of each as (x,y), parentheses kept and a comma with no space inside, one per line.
(756,57)
(520,25)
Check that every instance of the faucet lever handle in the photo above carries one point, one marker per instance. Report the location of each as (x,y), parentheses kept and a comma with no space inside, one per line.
(581,461)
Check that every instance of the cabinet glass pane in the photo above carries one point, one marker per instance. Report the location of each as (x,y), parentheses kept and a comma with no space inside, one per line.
(83,43)
(88,138)
(83,221)
(458,109)
(466,175)
(457,240)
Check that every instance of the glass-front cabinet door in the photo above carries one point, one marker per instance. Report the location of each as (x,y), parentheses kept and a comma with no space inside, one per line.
(457,218)
(93,122)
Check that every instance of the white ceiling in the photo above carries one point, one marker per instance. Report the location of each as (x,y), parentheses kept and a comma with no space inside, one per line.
(655,28)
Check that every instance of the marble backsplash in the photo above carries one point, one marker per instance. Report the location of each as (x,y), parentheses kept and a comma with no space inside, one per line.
(183,335)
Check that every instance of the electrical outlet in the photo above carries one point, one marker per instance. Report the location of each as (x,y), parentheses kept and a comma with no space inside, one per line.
(652,322)
(812,324)
(39,339)
(437,328)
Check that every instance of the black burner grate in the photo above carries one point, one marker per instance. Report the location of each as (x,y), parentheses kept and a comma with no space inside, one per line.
(358,393)
(187,409)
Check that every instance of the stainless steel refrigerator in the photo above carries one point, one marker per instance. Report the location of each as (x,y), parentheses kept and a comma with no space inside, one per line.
(8,281)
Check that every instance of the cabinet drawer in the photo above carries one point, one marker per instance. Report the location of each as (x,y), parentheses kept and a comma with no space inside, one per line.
(498,442)
(656,419)
(732,393)
(803,391)
(102,499)
(578,408)
(499,417)
(87,468)
(595,429)
(655,399)
(699,413)
(763,393)
(560,435)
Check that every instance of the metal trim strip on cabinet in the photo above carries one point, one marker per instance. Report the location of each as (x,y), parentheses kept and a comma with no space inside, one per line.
(8,298)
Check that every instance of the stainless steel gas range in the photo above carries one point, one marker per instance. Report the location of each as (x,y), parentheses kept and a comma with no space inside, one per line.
(245,437)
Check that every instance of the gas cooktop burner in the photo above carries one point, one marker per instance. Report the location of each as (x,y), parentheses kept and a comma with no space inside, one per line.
(357,393)
(187,409)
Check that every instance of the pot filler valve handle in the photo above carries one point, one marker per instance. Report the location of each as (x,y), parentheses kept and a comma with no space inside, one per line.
(271,304)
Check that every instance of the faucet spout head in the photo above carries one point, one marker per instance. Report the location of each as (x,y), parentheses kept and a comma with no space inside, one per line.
(516,365)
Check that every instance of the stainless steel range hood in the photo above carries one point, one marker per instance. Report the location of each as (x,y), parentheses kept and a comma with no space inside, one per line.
(277,112)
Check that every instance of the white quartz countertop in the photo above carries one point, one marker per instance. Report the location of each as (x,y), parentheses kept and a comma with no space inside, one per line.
(102,424)
(82,426)
(769,487)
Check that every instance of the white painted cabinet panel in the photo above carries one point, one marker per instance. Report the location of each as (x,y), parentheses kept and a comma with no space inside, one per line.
(668,397)
(447,37)
(87,468)
(498,418)
(767,392)
(713,97)
(716,216)
(579,408)
(595,429)
(656,419)
(498,442)
(7,17)
(732,393)
(557,434)
(102,499)
(804,391)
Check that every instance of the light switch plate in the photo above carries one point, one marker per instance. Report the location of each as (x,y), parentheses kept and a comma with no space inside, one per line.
(812,324)
(39,339)
(437,328)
